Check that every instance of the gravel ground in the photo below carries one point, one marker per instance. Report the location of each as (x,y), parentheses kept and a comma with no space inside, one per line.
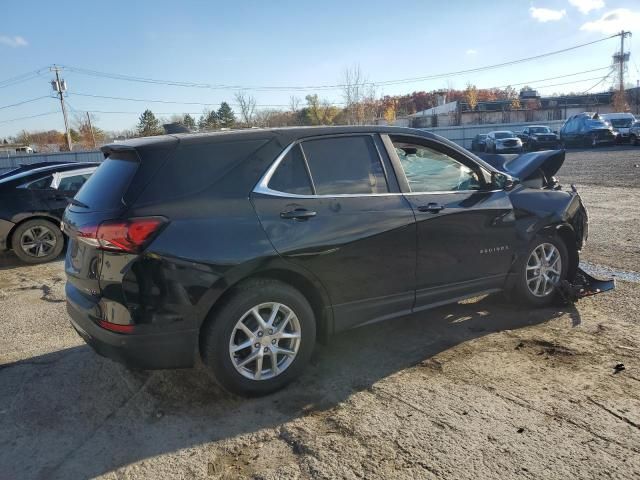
(481,389)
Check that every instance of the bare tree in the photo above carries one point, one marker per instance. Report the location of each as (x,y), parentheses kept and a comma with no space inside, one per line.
(247,105)
(353,92)
(294,104)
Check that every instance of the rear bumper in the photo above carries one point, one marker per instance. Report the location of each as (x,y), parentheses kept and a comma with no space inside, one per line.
(5,230)
(174,349)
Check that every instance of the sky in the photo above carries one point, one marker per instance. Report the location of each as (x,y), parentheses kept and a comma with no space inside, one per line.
(290,44)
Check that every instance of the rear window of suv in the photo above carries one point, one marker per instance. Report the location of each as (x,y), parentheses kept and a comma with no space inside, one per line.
(105,188)
(345,165)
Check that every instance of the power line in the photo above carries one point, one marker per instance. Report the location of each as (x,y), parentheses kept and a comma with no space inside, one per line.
(333,103)
(30,116)
(24,101)
(21,78)
(175,102)
(117,76)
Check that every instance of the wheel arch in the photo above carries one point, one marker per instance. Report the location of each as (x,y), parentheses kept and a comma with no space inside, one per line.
(307,285)
(566,233)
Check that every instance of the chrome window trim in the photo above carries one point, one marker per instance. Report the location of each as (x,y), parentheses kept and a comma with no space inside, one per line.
(262,186)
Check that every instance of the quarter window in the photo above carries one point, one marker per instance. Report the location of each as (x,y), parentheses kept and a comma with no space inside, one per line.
(291,175)
(428,170)
(40,184)
(345,165)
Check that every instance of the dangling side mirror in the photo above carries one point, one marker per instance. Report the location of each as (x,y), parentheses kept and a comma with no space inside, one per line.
(502,181)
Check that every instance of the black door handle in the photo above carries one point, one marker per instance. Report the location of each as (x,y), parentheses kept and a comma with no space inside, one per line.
(431,208)
(298,214)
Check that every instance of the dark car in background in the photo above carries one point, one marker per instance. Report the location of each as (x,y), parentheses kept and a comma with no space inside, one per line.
(243,247)
(478,144)
(538,137)
(634,133)
(588,130)
(32,201)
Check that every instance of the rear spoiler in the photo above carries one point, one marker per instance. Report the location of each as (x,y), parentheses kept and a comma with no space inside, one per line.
(116,148)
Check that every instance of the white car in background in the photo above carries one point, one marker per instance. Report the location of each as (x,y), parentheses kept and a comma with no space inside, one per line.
(621,123)
(503,141)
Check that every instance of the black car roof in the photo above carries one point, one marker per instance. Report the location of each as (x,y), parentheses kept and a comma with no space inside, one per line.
(286,135)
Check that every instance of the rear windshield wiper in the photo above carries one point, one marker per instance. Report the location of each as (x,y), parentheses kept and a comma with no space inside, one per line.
(78,203)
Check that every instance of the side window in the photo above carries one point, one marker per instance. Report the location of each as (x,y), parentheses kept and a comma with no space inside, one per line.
(345,165)
(291,175)
(41,183)
(428,170)
(73,184)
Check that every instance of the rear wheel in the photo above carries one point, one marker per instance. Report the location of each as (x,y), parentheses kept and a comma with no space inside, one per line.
(541,270)
(37,241)
(261,339)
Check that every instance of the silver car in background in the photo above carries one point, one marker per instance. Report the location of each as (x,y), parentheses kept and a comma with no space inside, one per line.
(503,141)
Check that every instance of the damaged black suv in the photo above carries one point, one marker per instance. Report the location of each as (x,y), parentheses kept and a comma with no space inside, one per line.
(244,247)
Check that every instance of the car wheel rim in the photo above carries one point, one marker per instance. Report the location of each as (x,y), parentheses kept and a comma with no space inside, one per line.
(265,341)
(544,269)
(38,241)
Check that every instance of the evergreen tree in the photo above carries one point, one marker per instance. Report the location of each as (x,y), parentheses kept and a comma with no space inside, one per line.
(208,121)
(226,116)
(189,122)
(148,124)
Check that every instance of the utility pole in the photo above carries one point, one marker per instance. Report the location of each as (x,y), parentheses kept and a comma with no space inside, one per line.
(621,58)
(60,86)
(93,137)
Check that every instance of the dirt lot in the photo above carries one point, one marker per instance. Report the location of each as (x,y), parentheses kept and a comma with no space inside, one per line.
(481,389)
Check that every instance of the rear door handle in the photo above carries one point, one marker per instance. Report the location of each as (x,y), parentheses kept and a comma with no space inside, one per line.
(298,214)
(431,208)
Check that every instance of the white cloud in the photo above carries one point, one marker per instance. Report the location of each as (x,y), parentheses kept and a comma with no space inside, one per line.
(546,14)
(585,6)
(614,21)
(13,42)
(471,51)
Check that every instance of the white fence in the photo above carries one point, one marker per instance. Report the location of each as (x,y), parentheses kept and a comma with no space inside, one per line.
(8,163)
(463,135)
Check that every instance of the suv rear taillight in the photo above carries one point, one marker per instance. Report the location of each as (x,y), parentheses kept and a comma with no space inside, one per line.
(129,236)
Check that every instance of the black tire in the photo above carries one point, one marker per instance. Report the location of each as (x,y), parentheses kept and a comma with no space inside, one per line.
(592,141)
(49,241)
(633,140)
(219,328)
(521,290)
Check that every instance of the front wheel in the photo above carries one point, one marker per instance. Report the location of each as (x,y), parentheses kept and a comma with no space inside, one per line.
(541,270)
(261,339)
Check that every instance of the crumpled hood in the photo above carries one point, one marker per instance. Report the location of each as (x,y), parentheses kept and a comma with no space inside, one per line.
(523,166)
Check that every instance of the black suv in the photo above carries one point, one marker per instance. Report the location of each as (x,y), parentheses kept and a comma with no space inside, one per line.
(586,129)
(538,137)
(243,247)
(32,201)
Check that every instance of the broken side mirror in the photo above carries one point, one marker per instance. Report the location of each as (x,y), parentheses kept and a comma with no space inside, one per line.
(502,181)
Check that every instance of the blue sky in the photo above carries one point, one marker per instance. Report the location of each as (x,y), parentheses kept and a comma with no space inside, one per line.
(252,43)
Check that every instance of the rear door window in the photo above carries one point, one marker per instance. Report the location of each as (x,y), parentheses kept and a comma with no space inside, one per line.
(291,175)
(345,165)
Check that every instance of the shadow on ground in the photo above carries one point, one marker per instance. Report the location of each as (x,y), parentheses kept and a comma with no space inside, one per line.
(72,414)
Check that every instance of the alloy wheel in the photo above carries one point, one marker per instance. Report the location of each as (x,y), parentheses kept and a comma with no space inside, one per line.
(265,341)
(544,269)
(38,241)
